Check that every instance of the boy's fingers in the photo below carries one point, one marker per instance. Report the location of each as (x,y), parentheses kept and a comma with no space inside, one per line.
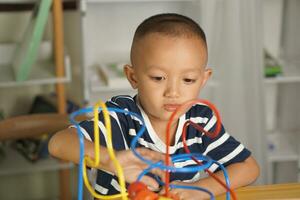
(153,155)
(159,173)
(150,182)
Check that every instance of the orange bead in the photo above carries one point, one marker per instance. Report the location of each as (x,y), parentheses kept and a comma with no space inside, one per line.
(134,188)
(146,195)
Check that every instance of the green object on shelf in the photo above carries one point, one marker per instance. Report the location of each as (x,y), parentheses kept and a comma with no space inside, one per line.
(27,50)
(272,66)
(271,71)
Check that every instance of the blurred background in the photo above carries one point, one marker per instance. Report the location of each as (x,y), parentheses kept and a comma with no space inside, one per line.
(254,51)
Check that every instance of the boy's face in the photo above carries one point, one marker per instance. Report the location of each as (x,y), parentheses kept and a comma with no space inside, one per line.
(167,71)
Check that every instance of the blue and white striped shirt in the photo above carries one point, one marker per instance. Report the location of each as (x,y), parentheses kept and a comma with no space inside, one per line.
(224,148)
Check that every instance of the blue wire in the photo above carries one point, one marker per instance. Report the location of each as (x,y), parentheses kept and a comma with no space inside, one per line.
(145,171)
(81,152)
(226,178)
(80,181)
(182,158)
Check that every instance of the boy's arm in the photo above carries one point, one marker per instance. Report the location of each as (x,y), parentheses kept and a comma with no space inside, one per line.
(65,145)
(240,174)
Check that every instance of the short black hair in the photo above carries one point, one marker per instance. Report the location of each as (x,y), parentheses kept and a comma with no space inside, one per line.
(171,24)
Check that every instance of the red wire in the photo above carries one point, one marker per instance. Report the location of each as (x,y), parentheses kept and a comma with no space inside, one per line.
(211,135)
(200,129)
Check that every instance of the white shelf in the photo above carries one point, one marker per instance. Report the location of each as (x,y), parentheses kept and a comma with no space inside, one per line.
(282,79)
(14,163)
(282,155)
(43,73)
(284,147)
(98,85)
(290,72)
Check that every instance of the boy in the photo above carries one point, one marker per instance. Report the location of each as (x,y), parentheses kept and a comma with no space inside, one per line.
(168,68)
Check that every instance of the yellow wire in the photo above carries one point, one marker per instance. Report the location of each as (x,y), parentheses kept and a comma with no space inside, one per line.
(91,162)
(96,162)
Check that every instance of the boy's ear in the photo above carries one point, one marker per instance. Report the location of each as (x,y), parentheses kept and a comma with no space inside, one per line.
(206,76)
(130,74)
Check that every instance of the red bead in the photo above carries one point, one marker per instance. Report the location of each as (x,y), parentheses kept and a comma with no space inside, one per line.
(146,195)
(134,188)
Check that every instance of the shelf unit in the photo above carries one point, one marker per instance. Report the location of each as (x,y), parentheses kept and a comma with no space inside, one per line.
(43,71)
(281,145)
(29,61)
(281,148)
(280,33)
(48,72)
(283,79)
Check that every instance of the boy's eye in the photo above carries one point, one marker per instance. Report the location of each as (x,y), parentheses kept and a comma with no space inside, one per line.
(189,80)
(157,78)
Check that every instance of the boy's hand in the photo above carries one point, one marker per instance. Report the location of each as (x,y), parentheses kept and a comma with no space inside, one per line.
(132,166)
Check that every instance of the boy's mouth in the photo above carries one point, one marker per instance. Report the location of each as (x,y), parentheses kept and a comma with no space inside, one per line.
(171,107)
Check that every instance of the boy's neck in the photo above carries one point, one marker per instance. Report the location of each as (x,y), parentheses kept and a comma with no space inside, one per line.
(160,127)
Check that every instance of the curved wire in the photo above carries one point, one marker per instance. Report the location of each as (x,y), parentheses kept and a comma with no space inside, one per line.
(166,167)
(212,135)
(201,129)
(180,158)
(189,187)
(96,161)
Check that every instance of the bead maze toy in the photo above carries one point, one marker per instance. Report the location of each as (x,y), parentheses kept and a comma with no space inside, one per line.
(138,190)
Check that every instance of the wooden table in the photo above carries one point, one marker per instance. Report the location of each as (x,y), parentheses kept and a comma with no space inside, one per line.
(290,191)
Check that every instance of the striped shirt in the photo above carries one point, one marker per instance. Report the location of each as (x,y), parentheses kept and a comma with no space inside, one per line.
(224,148)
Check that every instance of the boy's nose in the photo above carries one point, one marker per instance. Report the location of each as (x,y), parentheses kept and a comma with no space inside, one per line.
(172,90)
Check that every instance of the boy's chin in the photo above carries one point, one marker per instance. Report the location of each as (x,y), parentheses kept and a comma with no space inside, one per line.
(167,116)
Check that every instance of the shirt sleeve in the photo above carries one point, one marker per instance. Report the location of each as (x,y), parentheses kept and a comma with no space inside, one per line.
(224,149)
(119,139)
